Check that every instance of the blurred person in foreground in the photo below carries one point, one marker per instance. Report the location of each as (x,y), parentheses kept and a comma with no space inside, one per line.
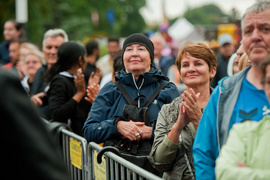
(178,121)
(226,49)
(111,117)
(233,99)
(245,154)
(28,150)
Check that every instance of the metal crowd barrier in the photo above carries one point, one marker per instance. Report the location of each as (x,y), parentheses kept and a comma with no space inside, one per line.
(74,149)
(81,161)
(114,166)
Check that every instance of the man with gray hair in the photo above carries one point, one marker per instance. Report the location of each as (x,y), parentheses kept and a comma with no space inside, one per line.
(237,98)
(53,38)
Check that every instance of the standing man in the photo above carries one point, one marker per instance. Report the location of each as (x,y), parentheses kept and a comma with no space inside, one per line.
(106,62)
(53,38)
(233,100)
(226,49)
(92,55)
(14,54)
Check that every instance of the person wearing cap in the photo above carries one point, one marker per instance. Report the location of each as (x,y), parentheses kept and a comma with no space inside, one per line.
(226,50)
(140,79)
(236,98)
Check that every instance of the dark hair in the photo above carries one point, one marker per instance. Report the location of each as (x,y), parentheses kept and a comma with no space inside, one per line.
(113,39)
(263,66)
(90,47)
(118,63)
(68,55)
(18,26)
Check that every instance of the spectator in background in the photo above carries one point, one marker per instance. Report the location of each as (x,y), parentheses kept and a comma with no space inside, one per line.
(226,49)
(13,30)
(25,138)
(53,38)
(245,154)
(165,63)
(32,60)
(14,54)
(67,87)
(232,67)
(110,77)
(25,47)
(92,55)
(106,62)
(93,89)
(233,100)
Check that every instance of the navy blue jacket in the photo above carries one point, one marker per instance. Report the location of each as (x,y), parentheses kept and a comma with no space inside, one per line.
(4,53)
(110,103)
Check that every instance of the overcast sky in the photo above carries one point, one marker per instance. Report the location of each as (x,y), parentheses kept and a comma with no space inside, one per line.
(174,8)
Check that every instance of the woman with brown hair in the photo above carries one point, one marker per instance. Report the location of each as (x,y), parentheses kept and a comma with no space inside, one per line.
(177,122)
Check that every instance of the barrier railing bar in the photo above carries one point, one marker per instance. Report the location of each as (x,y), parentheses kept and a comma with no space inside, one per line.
(75,172)
(126,163)
(122,170)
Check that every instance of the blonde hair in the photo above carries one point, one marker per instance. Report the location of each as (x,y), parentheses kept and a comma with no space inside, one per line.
(243,62)
(38,53)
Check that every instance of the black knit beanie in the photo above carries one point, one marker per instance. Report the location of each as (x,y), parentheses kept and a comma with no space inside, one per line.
(139,39)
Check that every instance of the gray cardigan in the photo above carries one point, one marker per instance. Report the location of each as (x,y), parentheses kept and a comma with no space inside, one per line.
(174,159)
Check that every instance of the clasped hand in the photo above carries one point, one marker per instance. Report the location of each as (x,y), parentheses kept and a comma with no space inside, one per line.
(134,131)
(190,110)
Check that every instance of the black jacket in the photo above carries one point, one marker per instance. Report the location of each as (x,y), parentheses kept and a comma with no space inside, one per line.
(63,107)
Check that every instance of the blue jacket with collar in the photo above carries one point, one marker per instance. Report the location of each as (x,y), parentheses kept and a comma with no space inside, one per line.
(110,102)
(213,128)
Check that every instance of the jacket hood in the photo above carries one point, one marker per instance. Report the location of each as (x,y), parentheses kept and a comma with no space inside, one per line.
(155,75)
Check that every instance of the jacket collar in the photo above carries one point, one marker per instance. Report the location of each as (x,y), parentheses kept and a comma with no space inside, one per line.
(153,76)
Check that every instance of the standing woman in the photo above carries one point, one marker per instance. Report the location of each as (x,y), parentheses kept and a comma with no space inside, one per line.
(177,122)
(110,120)
(67,87)
(13,30)
(32,61)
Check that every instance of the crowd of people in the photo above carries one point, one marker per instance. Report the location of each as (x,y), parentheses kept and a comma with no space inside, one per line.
(197,115)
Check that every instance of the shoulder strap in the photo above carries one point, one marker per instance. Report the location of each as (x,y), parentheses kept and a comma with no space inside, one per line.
(154,95)
(125,93)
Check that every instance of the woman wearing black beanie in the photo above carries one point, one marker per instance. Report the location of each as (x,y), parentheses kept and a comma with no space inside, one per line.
(67,87)
(122,114)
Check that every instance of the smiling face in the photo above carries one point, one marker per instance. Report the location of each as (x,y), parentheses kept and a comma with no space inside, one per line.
(50,49)
(256,35)
(136,59)
(32,64)
(195,72)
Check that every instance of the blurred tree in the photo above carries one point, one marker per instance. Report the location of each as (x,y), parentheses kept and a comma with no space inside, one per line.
(75,17)
(207,14)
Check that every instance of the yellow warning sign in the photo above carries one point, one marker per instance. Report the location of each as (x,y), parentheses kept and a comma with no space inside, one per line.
(99,169)
(75,150)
